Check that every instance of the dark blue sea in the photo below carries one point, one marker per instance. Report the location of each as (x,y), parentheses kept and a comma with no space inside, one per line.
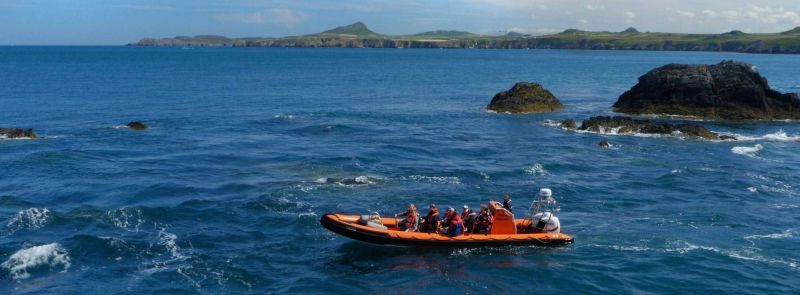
(223,194)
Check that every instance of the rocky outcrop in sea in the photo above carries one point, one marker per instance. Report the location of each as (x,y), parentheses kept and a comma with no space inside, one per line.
(17,133)
(628,125)
(525,97)
(728,90)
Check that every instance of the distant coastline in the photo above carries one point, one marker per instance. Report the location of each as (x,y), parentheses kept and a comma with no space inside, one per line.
(357,35)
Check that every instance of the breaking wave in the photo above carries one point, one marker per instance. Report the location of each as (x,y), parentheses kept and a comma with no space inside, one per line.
(433,179)
(30,219)
(749,151)
(779,135)
(535,169)
(23,262)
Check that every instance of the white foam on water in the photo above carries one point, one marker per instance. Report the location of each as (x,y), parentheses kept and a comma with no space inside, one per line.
(129,219)
(752,189)
(775,236)
(749,151)
(779,135)
(535,169)
(33,218)
(4,137)
(120,127)
(285,117)
(749,254)
(676,171)
(433,179)
(51,255)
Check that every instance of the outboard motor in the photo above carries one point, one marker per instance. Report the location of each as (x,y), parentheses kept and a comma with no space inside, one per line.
(542,213)
(546,222)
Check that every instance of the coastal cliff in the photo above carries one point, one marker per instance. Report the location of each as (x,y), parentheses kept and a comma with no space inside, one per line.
(357,35)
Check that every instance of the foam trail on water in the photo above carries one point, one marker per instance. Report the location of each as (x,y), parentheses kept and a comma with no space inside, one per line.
(23,261)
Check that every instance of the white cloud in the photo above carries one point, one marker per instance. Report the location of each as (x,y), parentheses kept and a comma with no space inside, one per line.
(710,12)
(685,13)
(595,7)
(281,16)
(245,18)
(583,21)
(285,17)
(629,14)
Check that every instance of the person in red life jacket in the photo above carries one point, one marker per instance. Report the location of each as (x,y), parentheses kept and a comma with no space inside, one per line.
(507,202)
(452,225)
(483,223)
(411,220)
(431,222)
(448,217)
(456,226)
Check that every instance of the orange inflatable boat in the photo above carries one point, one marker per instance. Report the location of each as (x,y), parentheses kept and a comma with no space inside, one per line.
(505,231)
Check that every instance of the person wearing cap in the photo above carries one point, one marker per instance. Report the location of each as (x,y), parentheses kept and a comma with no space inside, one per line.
(507,202)
(546,202)
(431,222)
(448,216)
(468,217)
(452,225)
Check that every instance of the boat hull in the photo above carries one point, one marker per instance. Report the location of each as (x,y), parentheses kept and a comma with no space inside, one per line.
(346,225)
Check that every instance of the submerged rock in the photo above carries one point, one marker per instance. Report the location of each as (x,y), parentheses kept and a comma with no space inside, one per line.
(604,144)
(17,133)
(137,125)
(623,125)
(569,124)
(525,97)
(728,90)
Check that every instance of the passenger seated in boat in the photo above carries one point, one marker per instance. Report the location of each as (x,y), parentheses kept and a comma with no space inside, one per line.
(507,202)
(431,222)
(453,225)
(411,220)
(483,223)
(468,217)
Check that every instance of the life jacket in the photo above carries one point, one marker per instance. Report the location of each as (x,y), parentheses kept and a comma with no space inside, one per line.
(411,219)
(465,214)
(456,226)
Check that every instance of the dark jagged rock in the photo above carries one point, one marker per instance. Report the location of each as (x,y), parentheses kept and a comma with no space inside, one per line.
(17,133)
(137,125)
(604,144)
(569,124)
(727,137)
(623,125)
(525,97)
(729,90)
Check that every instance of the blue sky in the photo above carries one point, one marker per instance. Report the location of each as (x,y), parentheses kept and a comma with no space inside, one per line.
(118,22)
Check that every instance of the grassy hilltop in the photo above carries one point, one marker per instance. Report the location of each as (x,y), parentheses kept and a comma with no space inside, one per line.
(358,35)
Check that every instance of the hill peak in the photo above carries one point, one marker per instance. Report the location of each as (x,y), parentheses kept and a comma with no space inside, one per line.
(630,30)
(796,30)
(357,28)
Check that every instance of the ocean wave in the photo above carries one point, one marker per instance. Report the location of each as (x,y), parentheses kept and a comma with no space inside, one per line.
(779,135)
(23,262)
(129,219)
(30,219)
(781,235)
(749,151)
(535,169)
(285,117)
(433,179)
(358,180)
(749,254)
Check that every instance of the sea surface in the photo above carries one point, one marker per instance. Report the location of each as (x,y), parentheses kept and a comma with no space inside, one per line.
(223,194)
